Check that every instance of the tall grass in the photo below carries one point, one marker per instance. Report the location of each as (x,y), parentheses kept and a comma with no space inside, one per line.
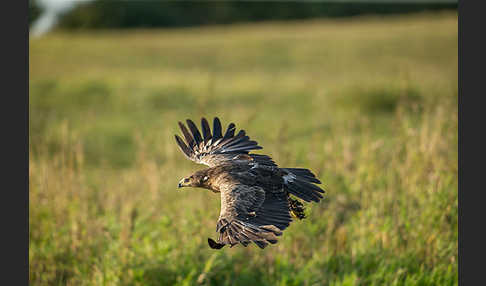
(370,105)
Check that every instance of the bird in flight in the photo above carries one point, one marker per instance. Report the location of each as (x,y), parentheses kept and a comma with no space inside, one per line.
(258,199)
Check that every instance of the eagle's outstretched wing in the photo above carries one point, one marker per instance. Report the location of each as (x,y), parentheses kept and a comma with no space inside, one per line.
(213,148)
(249,214)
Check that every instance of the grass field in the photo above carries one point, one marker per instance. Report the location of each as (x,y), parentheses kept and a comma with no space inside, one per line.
(368,104)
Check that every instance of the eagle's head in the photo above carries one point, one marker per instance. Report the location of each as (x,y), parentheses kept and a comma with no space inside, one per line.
(197,180)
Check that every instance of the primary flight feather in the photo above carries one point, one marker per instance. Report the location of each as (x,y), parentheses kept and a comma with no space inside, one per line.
(258,199)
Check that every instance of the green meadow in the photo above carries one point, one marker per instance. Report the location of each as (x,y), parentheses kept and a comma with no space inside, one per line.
(369,104)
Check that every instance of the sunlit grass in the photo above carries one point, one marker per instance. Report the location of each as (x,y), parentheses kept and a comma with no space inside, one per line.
(370,105)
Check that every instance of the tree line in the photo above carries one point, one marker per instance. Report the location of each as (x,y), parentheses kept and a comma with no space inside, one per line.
(135,14)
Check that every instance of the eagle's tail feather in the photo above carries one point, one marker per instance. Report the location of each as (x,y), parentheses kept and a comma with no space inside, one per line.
(300,183)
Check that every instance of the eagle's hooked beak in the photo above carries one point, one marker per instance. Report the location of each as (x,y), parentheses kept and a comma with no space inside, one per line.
(183,183)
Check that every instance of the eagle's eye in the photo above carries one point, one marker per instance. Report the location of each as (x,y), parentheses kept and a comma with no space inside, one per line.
(205,178)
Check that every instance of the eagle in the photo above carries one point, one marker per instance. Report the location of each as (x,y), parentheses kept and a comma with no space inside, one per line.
(258,199)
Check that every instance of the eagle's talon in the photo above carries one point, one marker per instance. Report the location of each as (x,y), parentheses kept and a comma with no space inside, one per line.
(214,245)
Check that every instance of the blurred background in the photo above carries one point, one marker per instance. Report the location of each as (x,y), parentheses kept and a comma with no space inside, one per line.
(364,94)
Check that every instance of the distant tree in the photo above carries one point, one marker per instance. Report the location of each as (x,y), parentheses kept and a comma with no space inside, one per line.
(128,14)
(34,11)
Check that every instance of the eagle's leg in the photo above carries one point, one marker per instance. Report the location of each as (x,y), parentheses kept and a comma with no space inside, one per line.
(296,208)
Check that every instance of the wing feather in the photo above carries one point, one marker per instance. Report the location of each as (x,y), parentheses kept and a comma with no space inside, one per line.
(214,149)
(206,130)
(187,151)
(249,214)
(187,135)
(230,131)
(195,132)
(217,133)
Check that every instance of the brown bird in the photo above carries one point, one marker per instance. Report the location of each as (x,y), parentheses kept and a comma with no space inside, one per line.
(256,195)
